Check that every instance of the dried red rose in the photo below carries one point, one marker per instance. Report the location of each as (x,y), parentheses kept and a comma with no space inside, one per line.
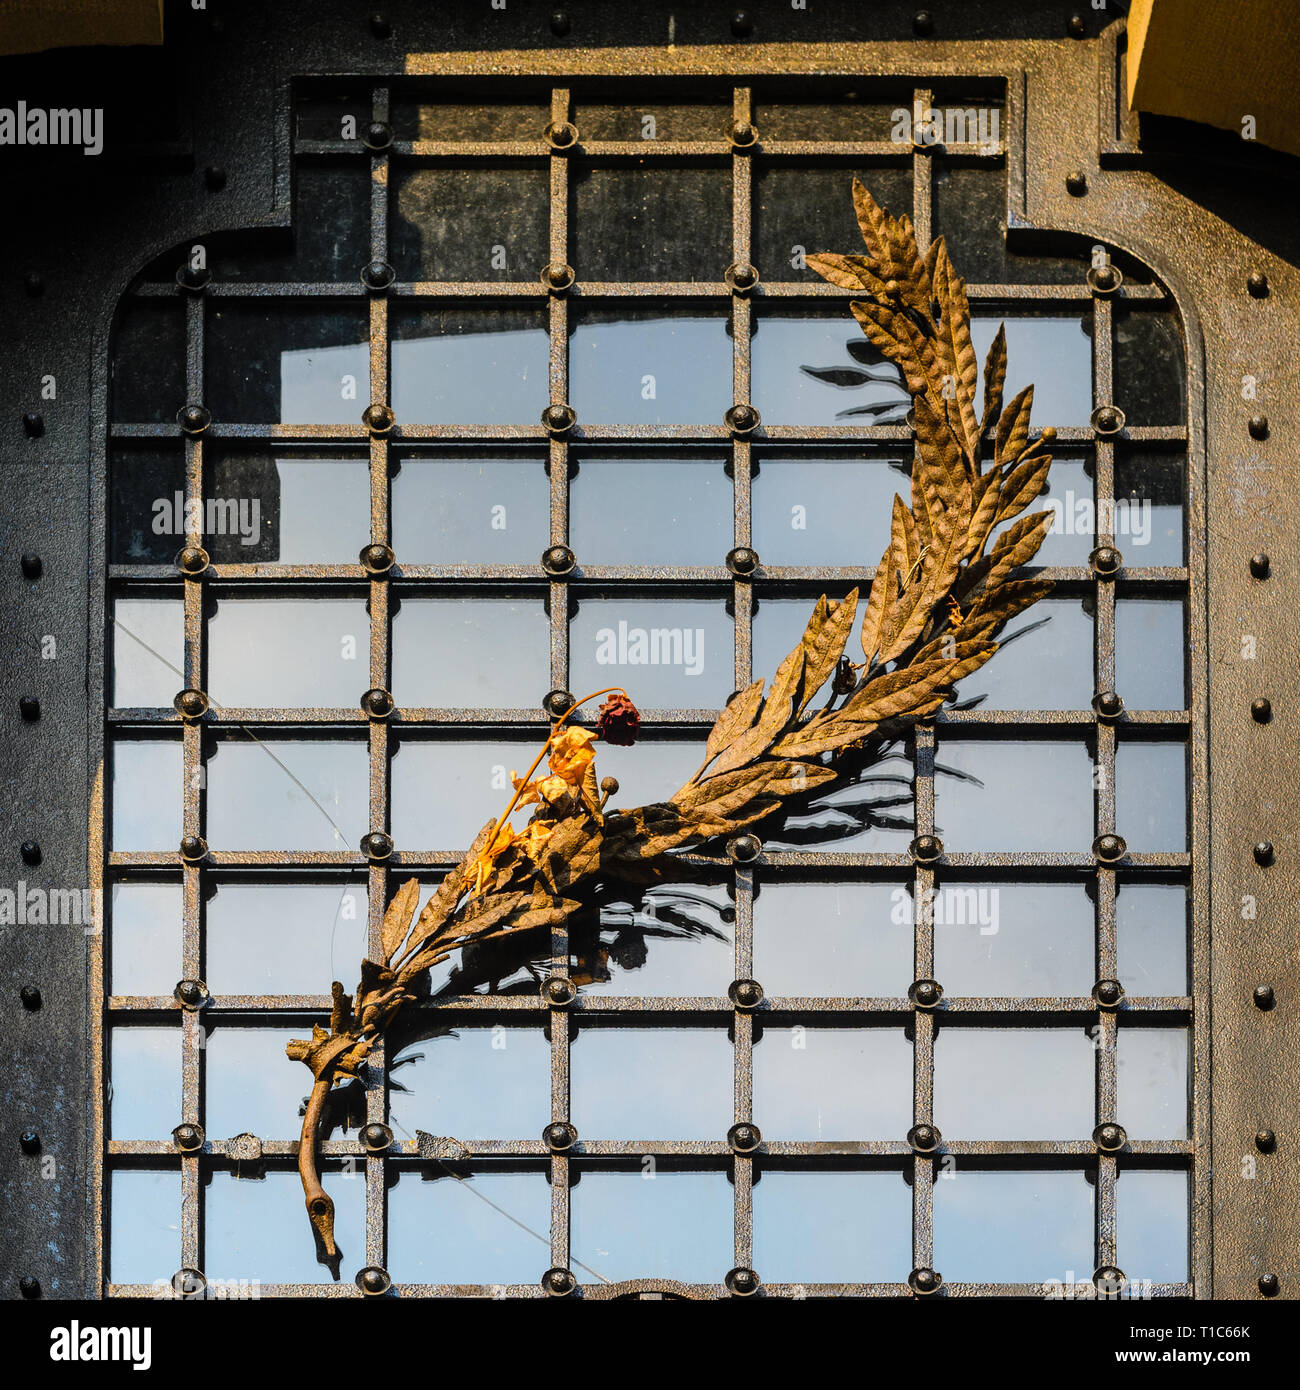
(619,721)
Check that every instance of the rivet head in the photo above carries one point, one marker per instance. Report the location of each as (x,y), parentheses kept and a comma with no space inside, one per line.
(193,849)
(926,848)
(1109,1138)
(745,994)
(1264,853)
(558,277)
(560,991)
(29,1141)
(1261,710)
(29,707)
(1106,560)
(32,566)
(192,560)
(31,997)
(742,560)
(1260,566)
(193,419)
(1076,183)
(189,1283)
(1264,997)
(376,276)
(742,23)
(1265,1141)
(559,418)
(1108,1280)
(923,24)
(740,278)
(1108,420)
(559,560)
(742,1282)
(378,418)
(744,1138)
(1108,704)
(191,704)
(562,136)
(373,1281)
(925,994)
(557,702)
(194,278)
(744,849)
(925,1281)
(742,419)
(1104,279)
(559,1282)
(1108,993)
(377,559)
(742,134)
(1110,848)
(924,1139)
(30,851)
(377,703)
(29,1286)
(375,1138)
(1077,28)
(1258,426)
(189,1138)
(376,845)
(33,425)
(379,136)
(1268,1285)
(191,993)
(559,23)
(379,25)
(1257,284)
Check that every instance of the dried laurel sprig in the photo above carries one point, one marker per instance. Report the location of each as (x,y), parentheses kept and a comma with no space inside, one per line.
(935,608)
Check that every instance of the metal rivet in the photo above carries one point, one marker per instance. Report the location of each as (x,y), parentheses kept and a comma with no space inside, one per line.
(923,24)
(1076,182)
(1257,284)
(189,1283)
(34,284)
(189,1138)
(32,566)
(559,23)
(30,851)
(193,849)
(558,560)
(1108,420)
(558,277)
(559,1282)
(742,23)
(1077,28)
(379,25)
(1106,560)
(925,849)
(31,997)
(562,136)
(1264,997)
(377,559)
(1108,1280)
(30,708)
(1268,1285)
(373,1281)
(559,418)
(744,1137)
(377,703)
(1264,853)
(1108,993)
(192,994)
(742,560)
(925,994)
(33,425)
(29,1287)
(1110,848)
(378,418)
(742,1282)
(557,702)
(1259,566)
(740,278)
(925,1281)
(376,276)
(1261,710)
(193,419)
(1258,426)
(559,1136)
(1110,1138)
(1265,1141)
(191,704)
(742,419)
(1108,704)
(194,278)
(379,136)
(192,560)
(924,1139)
(29,1141)
(376,845)
(1105,279)
(560,991)
(745,994)
(744,849)
(743,135)
(375,1138)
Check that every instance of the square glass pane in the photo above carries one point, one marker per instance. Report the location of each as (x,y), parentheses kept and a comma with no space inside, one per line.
(1150,647)
(833,1084)
(251,1086)
(832,1227)
(144,1239)
(1043,1220)
(1151,932)
(148,651)
(651,510)
(253,1227)
(147,523)
(145,938)
(303,653)
(662,222)
(836,939)
(1012,796)
(1152,1082)
(821,510)
(667,653)
(287,794)
(652,770)
(670,940)
(283,938)
(1053,352)
(1013,1083)
(445,791)
(1151,796)
(653,1224)
(995,940)
(144,1082)
(148,361)
(146,795)
(448,653)
(1150,375)
(652,366)
(651,1083)
(475,1081)
(1152,1209)
(1045,661)
(1150,493)
(484,1228)
(469,366)
(471,511)
(864,811)
(1068,495)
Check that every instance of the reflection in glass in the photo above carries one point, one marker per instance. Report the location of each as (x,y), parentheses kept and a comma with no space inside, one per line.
(819,369)
(148,360)
(1013,796)
(144,1239)
(1151,795)
(141,532)
(447,652)
(145,944)
(831,1084)
(1151,931)
(148,651)
(487,1227)
(145,1077)
(832,1227)
(651,1083)
(838,939)
(1006,939)
(821,511)
(650,511)
(866,810)
(1043,1221)
(1152,1084)
(679,1226)
(274,938)
(302,653)
(471,511)
(1150,376)
(1013,1083)
(287,794)
(1151,1223)
(1149,650)
(1044,662)
(251,1086)
(444,791)
(146,795)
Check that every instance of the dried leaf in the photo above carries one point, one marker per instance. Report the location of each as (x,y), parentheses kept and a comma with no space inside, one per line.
(824,640)
(1013,428)
(397,920)
(735,719)
(1021,485)
(995,378)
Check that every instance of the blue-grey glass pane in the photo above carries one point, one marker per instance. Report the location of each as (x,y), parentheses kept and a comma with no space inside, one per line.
(1013,796)
(304,653)
(1151,1220)
(252,1087)
(829,1084)
(144,1082)
(471,784)
(1053,353)
(1013,1083)
(1073,530)
(651,770)
(479,1082)
(817,511)
(667,653)
(817,368)
(1150,491)
(1044,662)
(834,939)
(650,368)
(832,1228)
(485,1228)
(868,810)
(995,940)
(146,798)
(1150,646)
(470,367)
(672,939)
(1151,795)
(451,652)
(652,1225)
(651,512)
(287,794)
(145,944)
(283,938)
(1152,1082)
(1151,931)
(253,1227)
(148,651)
(471,511)
(1013,1228)
(144,1241)
(651,1083)
(290,511)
